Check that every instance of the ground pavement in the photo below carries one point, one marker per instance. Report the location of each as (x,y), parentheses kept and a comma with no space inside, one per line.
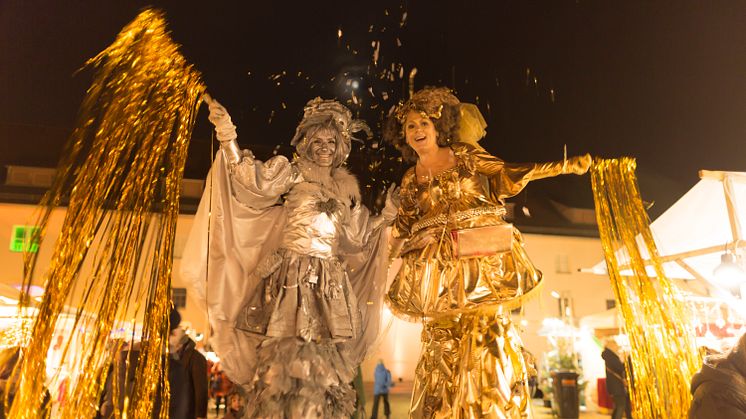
(399,399)
(400,394)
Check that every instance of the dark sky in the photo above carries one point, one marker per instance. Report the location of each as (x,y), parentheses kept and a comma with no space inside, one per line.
(664,82)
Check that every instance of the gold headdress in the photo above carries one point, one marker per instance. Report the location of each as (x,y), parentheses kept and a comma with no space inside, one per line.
(430,101)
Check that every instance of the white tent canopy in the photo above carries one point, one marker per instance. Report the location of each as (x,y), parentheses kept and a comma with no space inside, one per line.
(693,234)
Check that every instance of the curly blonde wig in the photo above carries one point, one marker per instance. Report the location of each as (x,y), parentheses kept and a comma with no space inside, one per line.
(436,103)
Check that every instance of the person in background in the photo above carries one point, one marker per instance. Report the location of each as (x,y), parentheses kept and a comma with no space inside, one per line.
(187,375)
(719,388)
(220,387)
(234,408)
(382,384)
(616,380)
(8,359)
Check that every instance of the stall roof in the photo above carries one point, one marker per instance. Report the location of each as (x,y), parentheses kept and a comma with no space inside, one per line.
(694,232)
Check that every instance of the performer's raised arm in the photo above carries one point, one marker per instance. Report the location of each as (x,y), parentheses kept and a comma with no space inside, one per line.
(511,178)
(225,131)
(257,184)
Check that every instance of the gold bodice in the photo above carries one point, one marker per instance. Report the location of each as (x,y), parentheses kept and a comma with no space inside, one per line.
(432,281)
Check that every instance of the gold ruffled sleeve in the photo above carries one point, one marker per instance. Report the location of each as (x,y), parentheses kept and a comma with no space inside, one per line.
(407,214)
(506,179)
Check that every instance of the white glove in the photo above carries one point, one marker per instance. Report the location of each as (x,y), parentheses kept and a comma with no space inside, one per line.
(220,118)
(391,208)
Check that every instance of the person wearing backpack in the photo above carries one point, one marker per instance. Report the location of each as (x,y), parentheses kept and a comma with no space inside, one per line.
(381,386)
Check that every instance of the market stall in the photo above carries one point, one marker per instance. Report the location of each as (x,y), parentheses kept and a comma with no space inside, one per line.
(672,278)
(700,239)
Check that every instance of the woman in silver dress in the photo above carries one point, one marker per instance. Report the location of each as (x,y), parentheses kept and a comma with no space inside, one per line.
(296,266)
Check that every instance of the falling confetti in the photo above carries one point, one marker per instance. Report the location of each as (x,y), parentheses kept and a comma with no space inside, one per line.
(376,52)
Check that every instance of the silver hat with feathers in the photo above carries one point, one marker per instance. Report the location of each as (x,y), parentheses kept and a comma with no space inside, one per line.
(320,112)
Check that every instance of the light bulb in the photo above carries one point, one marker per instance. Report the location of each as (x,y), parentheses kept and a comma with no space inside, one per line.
(729,273)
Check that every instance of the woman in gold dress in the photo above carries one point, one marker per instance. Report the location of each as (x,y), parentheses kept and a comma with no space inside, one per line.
(463,267)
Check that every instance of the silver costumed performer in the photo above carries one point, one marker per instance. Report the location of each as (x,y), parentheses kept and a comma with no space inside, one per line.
(296,267)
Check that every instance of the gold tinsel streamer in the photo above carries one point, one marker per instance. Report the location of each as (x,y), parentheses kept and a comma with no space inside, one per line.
(664,356)
(121,171)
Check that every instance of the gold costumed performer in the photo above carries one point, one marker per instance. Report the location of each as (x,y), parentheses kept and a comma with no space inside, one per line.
(295,277)
(463,267)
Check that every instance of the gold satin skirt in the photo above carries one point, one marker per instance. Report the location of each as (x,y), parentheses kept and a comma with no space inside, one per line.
(471,366)
(432,283)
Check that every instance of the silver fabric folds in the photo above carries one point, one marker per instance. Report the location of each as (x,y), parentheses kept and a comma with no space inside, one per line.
(249,222)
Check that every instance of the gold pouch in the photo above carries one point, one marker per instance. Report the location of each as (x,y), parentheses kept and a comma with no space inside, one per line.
(482,241)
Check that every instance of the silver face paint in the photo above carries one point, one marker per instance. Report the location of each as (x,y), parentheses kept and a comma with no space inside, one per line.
(323,145)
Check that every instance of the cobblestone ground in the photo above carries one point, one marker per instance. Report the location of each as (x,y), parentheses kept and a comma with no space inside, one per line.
(399,399)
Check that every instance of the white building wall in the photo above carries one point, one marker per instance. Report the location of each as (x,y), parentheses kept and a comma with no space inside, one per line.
(559,258)
(11,263)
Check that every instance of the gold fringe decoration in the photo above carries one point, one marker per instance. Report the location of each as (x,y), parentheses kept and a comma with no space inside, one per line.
(664,355)
(121,171)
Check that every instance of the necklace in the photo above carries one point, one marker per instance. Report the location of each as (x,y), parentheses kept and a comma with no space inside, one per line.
(426,174)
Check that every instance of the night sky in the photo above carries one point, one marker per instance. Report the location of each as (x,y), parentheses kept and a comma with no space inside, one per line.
(664,82)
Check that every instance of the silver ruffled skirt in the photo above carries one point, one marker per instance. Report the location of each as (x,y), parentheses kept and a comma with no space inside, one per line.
(304,311)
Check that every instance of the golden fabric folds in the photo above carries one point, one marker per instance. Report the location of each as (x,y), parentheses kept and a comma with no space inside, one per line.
(471,367)
(471,364)
(431,281)
(471,124)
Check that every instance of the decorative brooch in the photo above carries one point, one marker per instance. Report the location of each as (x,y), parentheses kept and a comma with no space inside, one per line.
(329,206)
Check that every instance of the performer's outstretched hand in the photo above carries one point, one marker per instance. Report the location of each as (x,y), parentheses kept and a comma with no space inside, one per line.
(579,165)
(224,128)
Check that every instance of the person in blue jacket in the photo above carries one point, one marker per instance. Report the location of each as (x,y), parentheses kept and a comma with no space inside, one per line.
(382,384)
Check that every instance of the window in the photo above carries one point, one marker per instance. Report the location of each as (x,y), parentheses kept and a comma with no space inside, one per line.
(24,239)
(179,296)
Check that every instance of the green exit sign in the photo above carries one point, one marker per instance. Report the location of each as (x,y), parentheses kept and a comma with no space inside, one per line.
(24,239)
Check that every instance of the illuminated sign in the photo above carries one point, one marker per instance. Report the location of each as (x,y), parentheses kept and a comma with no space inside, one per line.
(24,239)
